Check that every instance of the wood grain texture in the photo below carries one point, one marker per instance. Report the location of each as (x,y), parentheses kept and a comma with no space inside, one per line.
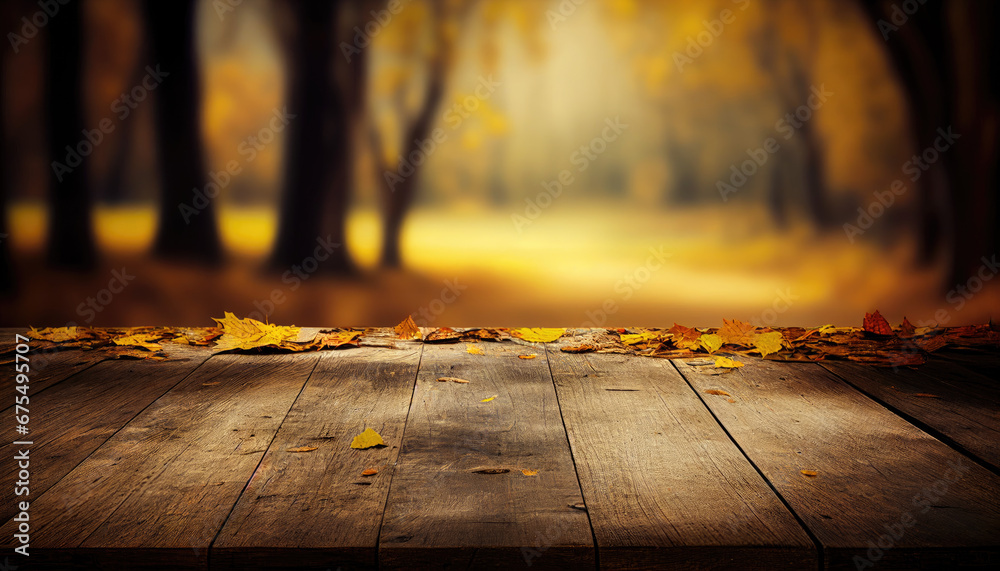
(441,512)
(664,484)
(315,509)
(45,371)
(879,479)
(944,396)
(72,419)
(157,493)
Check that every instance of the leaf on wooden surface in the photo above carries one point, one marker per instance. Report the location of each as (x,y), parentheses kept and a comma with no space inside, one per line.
(201,336)
(810,473)
(472,349)
(769,342)
(302,449)
(711,342)
(407,329)
(875,323)
(336,339)
(488,399)
(685,337)
(452,379)
(55,334)
(370,472)
(367,439)
(906,329)
(727,363)
(245,334)
(443,335)
(143,340)
(527,472)
(486,334)
(718,392)
(643,336)
(585,348)
(530,356)
(737,332)
(538,334)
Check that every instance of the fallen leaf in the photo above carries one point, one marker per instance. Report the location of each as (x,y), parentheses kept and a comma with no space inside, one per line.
(531,356)
(369,472)
(443,335)
(302,449)
(711,342)
(367,439)
(727,363)
(336,338)
(538,334)
(488,399)
(471,349)
(579,349)
(54,334)
(144,340)
(906,329)
(730,400)
(685,337)
(643,336)
(810,473)
(737,332)
(407,329)
(527,472)
(718,392)
(245,334)
(875,323)
(769,342)
(452,379)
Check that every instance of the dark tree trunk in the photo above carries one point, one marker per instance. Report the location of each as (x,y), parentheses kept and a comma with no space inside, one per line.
(70,232)
(193,236)
(317,165)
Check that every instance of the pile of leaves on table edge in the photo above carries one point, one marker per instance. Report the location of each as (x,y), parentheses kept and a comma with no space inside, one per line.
(876,342)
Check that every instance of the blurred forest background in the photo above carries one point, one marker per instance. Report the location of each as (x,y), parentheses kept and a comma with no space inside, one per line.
(498,162)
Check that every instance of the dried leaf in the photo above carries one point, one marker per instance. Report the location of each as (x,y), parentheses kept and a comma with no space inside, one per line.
(906,329)
(527,472)
(875,323)
(443,335)
(488,399)
(408,329)
(531,356)
(718,391)
(579,349)
(711,342)
(810,473)
(727,363)
(643,336)
(769,342)
(471,349)
(737,332)
(302,449)
(144,340)
(452,379)
(246,334)
(54,334)
(538,334)
(367,439)
(369,472)
(685,337)
(336,338)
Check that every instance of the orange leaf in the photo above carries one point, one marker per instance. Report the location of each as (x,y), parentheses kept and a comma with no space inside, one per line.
(685,337)
(527,472)
(302,449)
(369,472)
(718,392)
(737,332)
(875,323)
(810,473)
(407,329)
(531,356)
(906,329)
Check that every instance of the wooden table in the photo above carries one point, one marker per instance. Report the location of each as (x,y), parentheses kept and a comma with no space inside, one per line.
(578,461)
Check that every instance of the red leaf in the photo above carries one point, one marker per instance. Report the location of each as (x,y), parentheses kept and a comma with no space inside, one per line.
(875,323)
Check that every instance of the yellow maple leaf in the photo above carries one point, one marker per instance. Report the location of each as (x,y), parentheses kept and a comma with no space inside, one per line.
(736,332)
(54,334)
(367,439)
(642,336)
(538,334)
(407,329)
(711,342)
(249,333)
(528,472)
(727,363)
(767,343)
(144,340)
(685,337)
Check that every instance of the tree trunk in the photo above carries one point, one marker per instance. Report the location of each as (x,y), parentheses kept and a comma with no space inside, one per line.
(317,165)
(182,234)
(70,230)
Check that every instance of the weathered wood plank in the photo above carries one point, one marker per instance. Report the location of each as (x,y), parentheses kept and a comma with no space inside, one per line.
(74,418)
(986,363)
(441,512)
(315,509)
(885,492)
(664,484)
(945,397)
(47,370)
(157,493)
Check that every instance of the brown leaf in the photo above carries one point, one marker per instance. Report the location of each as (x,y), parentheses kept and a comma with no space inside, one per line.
(336,339)
(906,329)
(443,335)
(875,323)
(408,329)
(685,337)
